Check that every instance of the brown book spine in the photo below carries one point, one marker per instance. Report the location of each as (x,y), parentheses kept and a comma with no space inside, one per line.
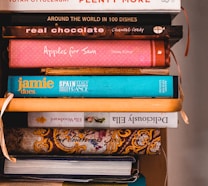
(104,71)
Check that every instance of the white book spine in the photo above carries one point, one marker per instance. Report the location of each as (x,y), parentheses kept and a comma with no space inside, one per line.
(103,119)
(91,5)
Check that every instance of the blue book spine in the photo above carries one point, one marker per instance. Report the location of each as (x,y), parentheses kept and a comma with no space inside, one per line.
(94,86)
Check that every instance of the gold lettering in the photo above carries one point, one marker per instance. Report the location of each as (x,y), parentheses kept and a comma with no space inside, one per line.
(24,84)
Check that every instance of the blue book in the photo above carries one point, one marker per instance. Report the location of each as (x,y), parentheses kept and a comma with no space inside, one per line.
(94,86)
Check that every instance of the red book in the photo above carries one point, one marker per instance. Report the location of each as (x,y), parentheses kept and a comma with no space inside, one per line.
(89,53)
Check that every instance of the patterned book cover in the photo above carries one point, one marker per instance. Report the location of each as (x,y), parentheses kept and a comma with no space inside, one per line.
(61,141)
(94,86)
(173,6)
(33,53)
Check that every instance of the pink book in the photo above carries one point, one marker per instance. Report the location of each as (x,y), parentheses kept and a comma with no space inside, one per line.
(88,53)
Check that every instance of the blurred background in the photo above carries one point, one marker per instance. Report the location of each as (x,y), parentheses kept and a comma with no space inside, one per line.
(188,144)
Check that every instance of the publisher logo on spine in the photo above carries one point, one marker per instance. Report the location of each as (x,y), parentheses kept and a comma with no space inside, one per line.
(158,29)
(73,86)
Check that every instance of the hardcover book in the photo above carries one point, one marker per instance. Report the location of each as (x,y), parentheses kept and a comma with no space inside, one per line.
(83,19)
(94,86)
(60,141)
(172,33)
(69,168)
(96,104)
(173,6)
(92,119)
(31,53)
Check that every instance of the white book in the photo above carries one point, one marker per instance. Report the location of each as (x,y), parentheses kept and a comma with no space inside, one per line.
(103,119)
(171,6)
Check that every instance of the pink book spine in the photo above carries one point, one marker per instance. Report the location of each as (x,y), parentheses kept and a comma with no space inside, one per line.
(89,53)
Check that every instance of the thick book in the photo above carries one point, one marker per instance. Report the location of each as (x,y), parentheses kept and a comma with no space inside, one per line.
(94,86)
(173,33)
(92,119)
(69,168)
(32,53)
(62,141)
(173,6)
(84,19)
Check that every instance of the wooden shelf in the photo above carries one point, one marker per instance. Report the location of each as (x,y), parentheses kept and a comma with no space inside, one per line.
(154,167)
(93,104)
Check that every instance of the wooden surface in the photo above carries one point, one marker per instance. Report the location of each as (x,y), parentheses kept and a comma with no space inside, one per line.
(154,168)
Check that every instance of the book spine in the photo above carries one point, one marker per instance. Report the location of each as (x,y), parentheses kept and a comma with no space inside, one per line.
(106,120)
(69,71)
(74,141)
(94,86)
(101,71)
(75,19)
(92,6)
(96,104)
(91,53)
(94,32)
(103,119)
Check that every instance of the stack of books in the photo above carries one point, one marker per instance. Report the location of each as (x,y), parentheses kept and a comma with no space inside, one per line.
(91,87)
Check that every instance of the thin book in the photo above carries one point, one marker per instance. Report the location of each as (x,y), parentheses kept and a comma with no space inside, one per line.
(90,18)
(158,31)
